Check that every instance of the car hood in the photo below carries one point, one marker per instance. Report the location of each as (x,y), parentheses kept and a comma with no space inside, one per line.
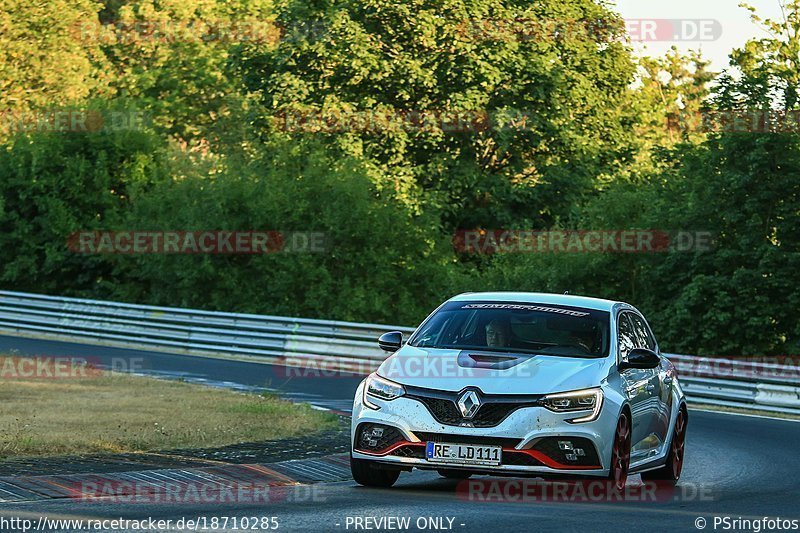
(491,372)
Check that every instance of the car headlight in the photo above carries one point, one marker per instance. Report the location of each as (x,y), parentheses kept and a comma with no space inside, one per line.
(579,400)
(378,387)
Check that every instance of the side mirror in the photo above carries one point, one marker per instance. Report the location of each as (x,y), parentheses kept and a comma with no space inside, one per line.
(391,342)
(640,358)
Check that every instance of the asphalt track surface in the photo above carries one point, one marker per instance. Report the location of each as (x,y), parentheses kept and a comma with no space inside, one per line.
(737,468)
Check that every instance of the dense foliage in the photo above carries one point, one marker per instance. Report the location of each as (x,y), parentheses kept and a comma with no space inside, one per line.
(389,127)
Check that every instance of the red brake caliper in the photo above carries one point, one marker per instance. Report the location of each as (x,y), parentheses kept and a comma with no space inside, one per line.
(620,453)
(678,442)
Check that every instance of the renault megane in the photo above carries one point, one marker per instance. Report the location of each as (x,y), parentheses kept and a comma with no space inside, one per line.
(522,384)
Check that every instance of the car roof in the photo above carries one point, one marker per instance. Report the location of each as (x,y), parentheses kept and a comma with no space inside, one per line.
(586,302)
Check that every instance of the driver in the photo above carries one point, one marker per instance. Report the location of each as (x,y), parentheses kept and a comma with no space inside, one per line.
(498,333)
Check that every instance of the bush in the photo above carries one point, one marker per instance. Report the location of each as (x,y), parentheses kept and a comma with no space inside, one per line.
(380,263)
(52,185)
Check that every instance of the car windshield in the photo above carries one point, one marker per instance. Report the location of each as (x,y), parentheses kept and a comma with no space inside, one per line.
(517,327)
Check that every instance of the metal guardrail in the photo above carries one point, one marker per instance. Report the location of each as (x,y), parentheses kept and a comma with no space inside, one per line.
(193,329)
(348,346)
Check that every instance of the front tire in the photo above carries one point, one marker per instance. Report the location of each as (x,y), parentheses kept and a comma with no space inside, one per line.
(671,471)
(621,453)
(365,474)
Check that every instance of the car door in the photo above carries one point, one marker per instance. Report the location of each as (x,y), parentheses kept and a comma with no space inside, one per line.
(640,388)
(662,382)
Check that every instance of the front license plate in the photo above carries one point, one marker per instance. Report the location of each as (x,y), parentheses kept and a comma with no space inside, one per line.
(465,454)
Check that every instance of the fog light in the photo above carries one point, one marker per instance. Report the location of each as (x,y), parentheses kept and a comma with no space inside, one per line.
(579,452)
(571,457)
(376,436)
(564,445)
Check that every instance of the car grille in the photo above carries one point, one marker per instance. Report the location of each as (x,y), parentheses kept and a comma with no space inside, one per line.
(548,446)
(505,442)
(493,410)
(510,458)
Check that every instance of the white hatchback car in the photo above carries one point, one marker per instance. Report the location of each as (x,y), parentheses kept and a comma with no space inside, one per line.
(522,384)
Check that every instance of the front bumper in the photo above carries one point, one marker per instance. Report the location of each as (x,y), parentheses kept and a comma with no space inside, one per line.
(531,438)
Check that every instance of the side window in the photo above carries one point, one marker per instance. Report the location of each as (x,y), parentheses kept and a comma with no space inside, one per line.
(644,339)
(626,336)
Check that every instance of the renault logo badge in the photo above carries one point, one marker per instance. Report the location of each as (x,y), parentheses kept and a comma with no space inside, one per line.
(469,403)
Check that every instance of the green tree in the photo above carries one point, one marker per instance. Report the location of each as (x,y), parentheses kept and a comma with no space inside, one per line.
(171,56)
(543,88)
(671,98)
(765,73)
(42,63)
(741,297)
